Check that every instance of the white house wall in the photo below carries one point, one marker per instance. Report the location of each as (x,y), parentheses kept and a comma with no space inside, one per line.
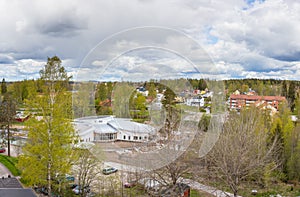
(132,136)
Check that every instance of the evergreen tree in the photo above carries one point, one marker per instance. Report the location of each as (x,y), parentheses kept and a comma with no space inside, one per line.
(102,92)
(284,89)
(202,84)
(3,87)
(152,90)
(172,114)
(7,116)
(292,95)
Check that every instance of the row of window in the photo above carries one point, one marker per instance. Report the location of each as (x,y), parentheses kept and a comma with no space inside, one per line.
(134,137)
(105,136)
(113,136)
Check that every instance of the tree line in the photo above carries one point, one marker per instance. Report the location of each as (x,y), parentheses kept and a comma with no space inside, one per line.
(253,146)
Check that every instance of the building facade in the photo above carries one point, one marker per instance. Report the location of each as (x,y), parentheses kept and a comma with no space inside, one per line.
(236,102)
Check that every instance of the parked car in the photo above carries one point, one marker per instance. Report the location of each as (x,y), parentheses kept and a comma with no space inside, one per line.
(44,191)
(150,184)
(2,150)
(78,190)
(130,184)
(109,170)
(70,177)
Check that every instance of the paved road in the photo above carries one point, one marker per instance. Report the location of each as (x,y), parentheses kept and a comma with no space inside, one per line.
(14,151)
(4,171)
(208,189)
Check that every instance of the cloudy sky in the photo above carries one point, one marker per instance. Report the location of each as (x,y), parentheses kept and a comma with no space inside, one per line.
(140,39)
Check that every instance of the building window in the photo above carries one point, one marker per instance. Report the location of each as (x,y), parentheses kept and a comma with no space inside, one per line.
(140,138)
(124,137)
(105,136)
(128,137)
(135,137)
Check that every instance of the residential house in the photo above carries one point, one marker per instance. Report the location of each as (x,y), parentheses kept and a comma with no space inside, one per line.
(236,102)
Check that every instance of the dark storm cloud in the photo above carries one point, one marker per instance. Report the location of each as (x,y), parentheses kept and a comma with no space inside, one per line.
(63,26)
(4,59)
(292,57)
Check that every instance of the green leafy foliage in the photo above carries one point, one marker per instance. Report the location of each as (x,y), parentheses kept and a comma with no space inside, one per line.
(48,152)
(204,122)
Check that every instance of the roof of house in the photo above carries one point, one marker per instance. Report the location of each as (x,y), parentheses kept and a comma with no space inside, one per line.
(110,124)
(9,183)
(12,187)
(104,128)
(256,97)
(128,125)
(17,192)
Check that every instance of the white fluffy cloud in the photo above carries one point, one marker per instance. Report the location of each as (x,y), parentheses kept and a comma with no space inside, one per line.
(258,39)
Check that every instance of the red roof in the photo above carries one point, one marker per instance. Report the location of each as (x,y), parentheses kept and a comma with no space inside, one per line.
(255,97)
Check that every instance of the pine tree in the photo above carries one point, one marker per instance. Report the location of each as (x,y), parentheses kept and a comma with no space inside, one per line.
(292,95)
(284,89)
(7,116)
(3,87)
(172,114)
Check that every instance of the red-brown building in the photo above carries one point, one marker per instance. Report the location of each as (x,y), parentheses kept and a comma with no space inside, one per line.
(240,101)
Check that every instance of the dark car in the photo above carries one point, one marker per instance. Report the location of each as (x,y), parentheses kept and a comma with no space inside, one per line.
(2,150)
(70,178)
(109,170)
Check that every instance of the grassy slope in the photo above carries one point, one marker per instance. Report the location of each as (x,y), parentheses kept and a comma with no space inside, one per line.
(10,164)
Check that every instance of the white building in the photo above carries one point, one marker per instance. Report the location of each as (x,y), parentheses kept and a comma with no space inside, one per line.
(196,101)
(109,128)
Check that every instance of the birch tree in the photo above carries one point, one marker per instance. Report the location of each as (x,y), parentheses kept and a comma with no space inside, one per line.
(48,151)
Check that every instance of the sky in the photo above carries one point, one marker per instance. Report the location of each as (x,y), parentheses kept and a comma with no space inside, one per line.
(144,39)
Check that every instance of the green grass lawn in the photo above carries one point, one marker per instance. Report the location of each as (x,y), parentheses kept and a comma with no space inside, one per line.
(10,164)
(197,193)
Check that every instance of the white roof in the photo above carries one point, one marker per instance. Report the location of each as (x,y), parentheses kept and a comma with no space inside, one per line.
(109,124)
(128,125)
(104,128)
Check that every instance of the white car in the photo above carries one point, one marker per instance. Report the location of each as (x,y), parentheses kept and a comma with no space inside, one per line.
(77,190)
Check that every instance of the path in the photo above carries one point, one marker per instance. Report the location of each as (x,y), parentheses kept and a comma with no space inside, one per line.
(4,171)
(207,189)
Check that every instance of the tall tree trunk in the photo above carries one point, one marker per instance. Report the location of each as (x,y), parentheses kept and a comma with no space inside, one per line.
(8,140)
(235,194)
(49,178)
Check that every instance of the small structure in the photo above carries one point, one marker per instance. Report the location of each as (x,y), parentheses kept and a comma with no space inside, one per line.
(195,101)
(178,190)
(21,117)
